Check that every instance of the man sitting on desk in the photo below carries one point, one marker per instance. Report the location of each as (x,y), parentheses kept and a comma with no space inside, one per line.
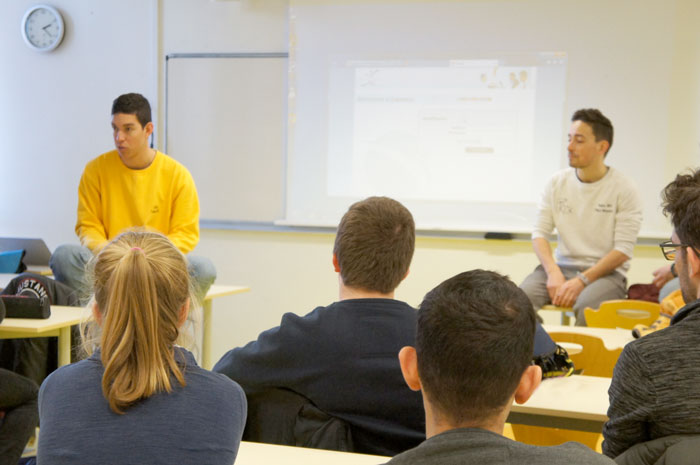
(655,391)
(471,360)
(343,357)
(134,185)
(597,213)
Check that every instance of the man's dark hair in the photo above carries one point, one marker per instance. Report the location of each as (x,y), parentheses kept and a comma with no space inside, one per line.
(681,201)
(474,340)
(374,244)
(599,123)
(133,104)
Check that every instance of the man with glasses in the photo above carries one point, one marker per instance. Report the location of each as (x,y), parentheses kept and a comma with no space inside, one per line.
(655,390)
(597,213)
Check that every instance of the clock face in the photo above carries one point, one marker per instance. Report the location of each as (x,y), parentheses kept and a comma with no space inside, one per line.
(42,28)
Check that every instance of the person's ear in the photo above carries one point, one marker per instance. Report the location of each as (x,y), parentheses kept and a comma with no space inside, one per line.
(184,311)
(409,367)
(96,313)
(335,263)
(692,261)
(148,128)
(529,382)
(603,147)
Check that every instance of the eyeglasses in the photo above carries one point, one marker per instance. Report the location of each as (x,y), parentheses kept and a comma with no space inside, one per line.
(669,249)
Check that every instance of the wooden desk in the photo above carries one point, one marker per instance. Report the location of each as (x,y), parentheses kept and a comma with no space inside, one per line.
(215,291)
(58,324)
(577,403)
(612,338)
(42,270)
(255,453)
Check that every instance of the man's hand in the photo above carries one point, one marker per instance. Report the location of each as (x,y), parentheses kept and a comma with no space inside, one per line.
(555,279)
(662,276)
(568,293)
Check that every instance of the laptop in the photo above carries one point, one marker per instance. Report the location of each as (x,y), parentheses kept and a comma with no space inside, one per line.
(37,254)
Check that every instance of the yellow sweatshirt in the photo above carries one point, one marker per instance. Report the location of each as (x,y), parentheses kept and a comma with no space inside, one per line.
(112,198)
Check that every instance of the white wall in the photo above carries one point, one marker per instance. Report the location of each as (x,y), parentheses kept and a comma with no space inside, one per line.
(54,117)
(55,107)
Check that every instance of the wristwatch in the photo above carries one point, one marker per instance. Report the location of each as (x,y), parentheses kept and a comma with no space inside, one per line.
(583,278)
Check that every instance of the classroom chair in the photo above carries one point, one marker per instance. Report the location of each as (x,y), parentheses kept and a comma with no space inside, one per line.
(284,417)
(592,360)
(624,313)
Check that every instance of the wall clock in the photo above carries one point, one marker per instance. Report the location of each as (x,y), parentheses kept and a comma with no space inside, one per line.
(42,28)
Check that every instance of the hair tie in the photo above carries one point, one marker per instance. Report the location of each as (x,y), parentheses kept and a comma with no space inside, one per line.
(139,249)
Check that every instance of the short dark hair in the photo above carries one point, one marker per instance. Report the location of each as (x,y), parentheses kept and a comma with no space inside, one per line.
(374,244)
(474,339)
(599,123)
(681,201)
(133,104)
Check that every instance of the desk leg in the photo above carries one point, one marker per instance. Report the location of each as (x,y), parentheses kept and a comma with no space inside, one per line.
(206,335)
(64,346)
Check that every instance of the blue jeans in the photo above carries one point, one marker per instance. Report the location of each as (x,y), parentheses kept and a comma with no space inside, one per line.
(68,265)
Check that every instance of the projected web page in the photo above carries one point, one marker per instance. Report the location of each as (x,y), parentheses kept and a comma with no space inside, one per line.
(442,130)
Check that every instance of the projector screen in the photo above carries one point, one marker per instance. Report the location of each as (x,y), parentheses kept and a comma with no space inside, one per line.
(465,139)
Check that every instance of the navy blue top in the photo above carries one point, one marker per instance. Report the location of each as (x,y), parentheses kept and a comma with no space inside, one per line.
(344,358)
(200,423)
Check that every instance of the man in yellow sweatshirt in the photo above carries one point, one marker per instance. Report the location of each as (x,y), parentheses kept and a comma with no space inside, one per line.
(133,186)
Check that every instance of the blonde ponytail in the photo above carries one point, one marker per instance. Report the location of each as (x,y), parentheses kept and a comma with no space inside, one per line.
(141,287)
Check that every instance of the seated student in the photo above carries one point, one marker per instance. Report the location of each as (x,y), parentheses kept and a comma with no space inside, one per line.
(471,359)
(139,398)
(343,357)
(18,415)
(133,186)
(596,212)
(654,391)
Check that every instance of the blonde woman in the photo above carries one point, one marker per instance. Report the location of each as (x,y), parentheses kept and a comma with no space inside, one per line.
(139,398)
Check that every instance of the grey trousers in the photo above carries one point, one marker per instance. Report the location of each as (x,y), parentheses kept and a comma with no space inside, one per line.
(609,287)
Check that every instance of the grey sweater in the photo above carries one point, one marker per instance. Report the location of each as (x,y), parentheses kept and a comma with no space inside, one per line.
(655,390)
(478,446)
(200,423)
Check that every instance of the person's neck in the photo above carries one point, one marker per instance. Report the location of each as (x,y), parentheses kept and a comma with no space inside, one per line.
(347,292)
(142,161)
(436,424)
(592,173)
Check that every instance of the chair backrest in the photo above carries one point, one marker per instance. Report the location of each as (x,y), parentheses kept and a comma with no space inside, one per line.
(281,416)
(622,314)
(593,359)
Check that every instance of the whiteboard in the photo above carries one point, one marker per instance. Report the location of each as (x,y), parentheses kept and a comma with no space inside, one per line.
(225,120)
